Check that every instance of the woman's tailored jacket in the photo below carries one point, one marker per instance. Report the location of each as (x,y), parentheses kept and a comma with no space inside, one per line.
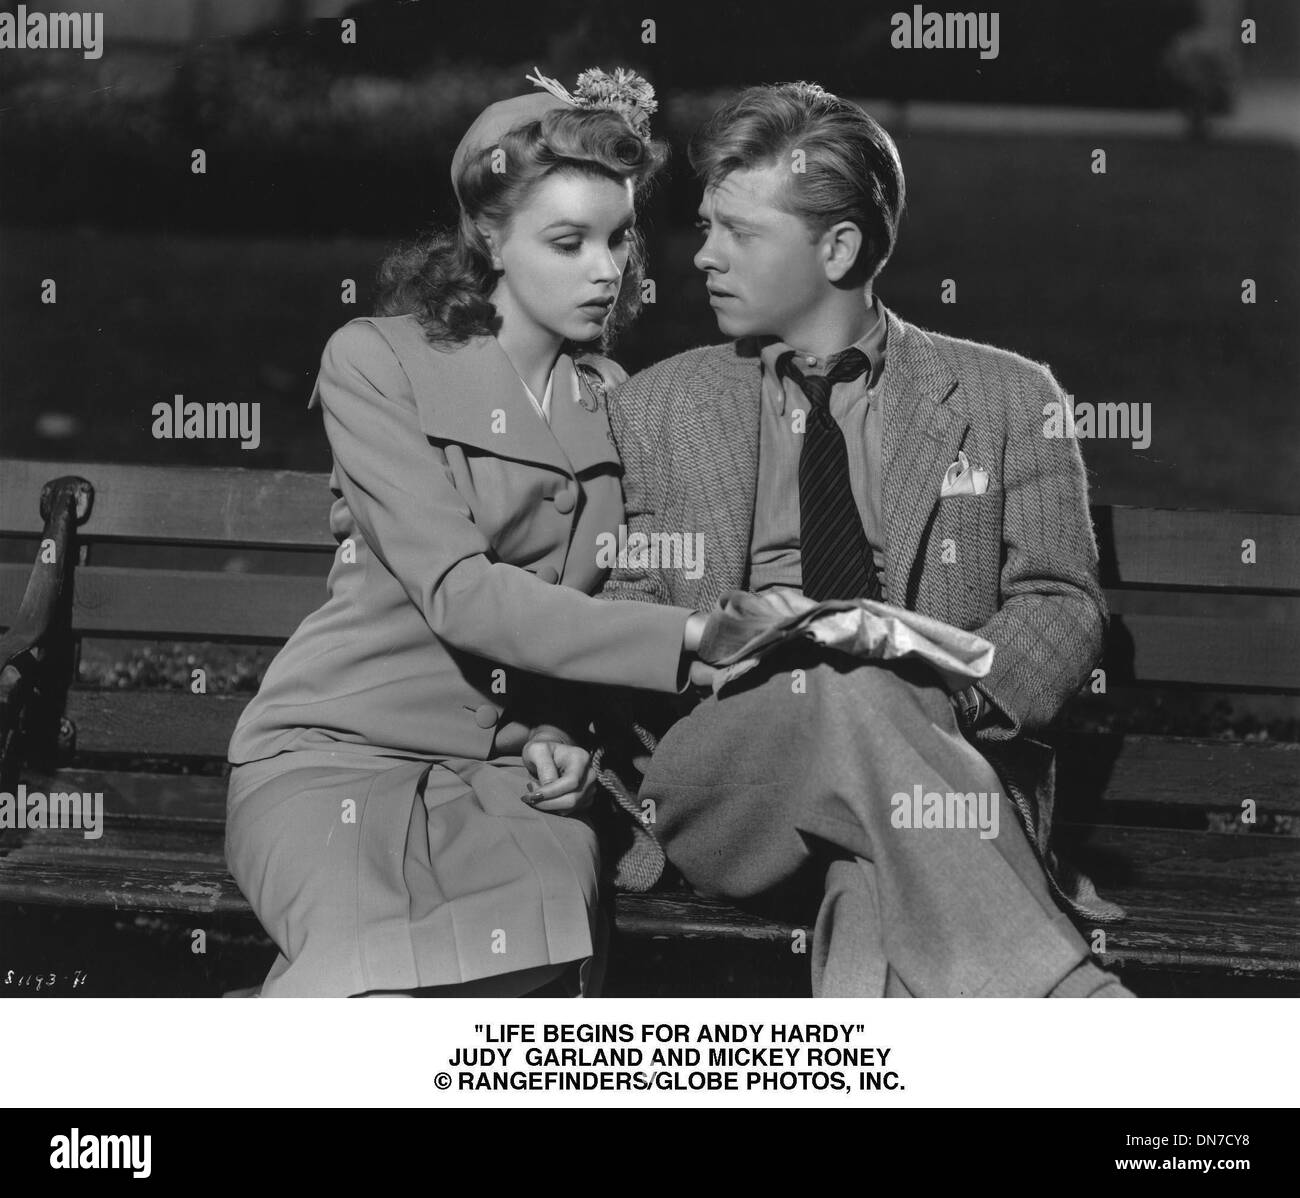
(457,512)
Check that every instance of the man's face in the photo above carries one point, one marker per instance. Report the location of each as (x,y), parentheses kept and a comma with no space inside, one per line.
(765,271)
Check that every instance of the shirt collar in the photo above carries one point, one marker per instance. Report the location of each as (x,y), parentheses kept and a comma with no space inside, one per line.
(871,343)
(568,381)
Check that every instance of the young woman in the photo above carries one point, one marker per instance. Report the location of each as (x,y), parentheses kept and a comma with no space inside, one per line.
(406,805)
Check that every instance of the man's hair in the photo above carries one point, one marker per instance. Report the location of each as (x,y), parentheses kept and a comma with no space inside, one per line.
(849,168)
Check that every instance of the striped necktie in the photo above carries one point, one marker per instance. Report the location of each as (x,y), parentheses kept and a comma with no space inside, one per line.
(836,558)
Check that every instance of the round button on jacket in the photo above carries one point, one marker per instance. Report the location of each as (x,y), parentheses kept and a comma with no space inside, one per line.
(485,716)
(565,502)
(548,574)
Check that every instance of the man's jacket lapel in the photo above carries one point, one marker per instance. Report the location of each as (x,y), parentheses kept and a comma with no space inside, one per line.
(924,424)
(726,482)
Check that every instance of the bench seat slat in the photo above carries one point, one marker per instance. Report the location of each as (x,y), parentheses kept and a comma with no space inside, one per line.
(1153,772)
(1197,901)
(1125,860)
(192,884)
(1172,771)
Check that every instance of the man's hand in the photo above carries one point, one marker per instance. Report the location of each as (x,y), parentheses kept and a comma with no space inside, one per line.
(786,601)
(566,781)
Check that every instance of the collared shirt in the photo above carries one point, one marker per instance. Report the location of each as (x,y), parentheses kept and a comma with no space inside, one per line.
(774,546)
(543,409)
(569,378)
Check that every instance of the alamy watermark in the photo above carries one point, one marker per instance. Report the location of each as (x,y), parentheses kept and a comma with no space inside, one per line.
(25,30)
(921,30)
(651,551)
(181,421)
(84,1150)
(1102,421)
(930,809)
(58,810)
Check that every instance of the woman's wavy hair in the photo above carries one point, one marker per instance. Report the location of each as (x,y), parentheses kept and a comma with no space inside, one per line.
(445,278)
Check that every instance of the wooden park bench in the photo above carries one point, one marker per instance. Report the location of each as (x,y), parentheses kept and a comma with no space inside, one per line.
(1162,823)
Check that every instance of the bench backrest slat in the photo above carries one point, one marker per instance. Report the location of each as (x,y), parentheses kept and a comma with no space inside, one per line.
(181,605)
(288,509)
(285,509)
(1186,548)
(1229,645)
(154,723)
(1240,654)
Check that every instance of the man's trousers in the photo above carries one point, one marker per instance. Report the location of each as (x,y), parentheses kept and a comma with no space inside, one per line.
(817,761)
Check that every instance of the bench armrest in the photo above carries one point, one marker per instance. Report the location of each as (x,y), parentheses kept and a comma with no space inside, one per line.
(65,503)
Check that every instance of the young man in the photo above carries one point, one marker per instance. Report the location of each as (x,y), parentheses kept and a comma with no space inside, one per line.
(833,450)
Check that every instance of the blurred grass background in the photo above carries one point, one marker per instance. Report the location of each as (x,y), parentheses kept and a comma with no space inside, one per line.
(1127,284)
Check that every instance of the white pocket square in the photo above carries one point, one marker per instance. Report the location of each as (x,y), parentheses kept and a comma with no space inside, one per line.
(961,478)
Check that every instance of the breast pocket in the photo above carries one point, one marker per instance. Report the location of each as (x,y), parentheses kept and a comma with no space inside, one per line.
(965,556)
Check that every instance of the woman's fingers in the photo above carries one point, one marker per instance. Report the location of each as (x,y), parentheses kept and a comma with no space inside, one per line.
(565,805)
(539,757)
(702,673)
(572,790)
(571,762)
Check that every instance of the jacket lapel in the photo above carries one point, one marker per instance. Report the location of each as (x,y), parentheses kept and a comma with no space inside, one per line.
(581,426)
(470,394)
(726,483)
(924,424)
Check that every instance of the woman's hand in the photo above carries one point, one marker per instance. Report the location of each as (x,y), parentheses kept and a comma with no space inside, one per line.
(566,783)
(611,373)
(693,631)
(701,673)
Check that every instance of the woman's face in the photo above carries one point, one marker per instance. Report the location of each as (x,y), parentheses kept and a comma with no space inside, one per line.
(563,255)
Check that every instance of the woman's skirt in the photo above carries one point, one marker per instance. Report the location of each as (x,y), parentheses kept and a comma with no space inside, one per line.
(386,873)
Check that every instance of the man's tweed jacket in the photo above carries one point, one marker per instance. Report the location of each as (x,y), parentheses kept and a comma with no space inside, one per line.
(1017,564)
